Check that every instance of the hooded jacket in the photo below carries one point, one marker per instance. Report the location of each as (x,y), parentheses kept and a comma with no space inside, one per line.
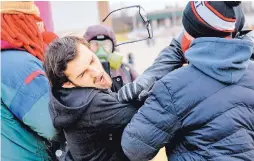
(92,120)
(203,111)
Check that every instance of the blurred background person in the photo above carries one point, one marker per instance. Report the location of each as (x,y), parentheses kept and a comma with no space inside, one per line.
(27,130)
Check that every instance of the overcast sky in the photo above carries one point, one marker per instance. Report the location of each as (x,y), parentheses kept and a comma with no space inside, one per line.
(72,15)
(148,5)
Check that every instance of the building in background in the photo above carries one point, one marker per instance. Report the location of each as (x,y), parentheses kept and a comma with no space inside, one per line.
(168,17)
(161,21)
(75,16)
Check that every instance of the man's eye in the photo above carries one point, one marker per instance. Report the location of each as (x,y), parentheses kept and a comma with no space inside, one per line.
(82,75)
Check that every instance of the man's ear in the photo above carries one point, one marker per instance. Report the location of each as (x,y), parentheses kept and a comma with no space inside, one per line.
(68,85)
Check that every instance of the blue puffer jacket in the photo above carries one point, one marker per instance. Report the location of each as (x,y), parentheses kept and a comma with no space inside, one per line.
(204,111)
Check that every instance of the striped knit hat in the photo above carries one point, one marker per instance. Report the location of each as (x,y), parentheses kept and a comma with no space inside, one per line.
(210,18)
(16,7)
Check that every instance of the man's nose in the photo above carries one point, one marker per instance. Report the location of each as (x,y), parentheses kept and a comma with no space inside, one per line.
(94,71)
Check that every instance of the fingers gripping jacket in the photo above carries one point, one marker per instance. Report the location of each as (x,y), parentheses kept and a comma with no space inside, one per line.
(136,90)
(129,92)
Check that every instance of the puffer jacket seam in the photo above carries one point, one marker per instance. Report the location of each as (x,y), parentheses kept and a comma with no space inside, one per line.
(172,94)
(172,99)
(246,87)
(205,100)
(149,122)
(231,154)
(187,112)
(189,82)
(221,113)
(205,158)
(209,146)
(244,104)
(129,154)
(153,148)
(154,125)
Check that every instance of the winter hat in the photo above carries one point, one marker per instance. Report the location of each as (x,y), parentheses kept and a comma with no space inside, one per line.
(210,18)
(22,27)
(15,7)
(100,32)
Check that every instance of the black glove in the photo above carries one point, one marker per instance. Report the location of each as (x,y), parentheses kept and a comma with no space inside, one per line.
(135,90)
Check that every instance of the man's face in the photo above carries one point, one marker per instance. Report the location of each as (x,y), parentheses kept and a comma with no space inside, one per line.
(86,71)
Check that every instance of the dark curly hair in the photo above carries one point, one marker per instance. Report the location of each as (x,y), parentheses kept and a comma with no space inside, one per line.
(58,54)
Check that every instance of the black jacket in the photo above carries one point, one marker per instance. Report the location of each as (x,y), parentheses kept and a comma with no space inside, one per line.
(93,122)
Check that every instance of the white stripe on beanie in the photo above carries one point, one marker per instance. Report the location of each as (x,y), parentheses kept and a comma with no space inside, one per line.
(211,18)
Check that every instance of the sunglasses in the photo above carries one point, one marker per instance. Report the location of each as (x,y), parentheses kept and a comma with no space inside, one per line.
(143,16)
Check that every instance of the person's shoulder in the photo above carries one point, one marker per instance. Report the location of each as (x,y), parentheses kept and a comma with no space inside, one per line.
(248,78)
(19,57)
(19,67)
(104,98)
(22,62)
(181,77)
(105,94)
(168,87)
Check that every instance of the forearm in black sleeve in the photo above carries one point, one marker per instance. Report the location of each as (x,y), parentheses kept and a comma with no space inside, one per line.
(169,59)
(109,111)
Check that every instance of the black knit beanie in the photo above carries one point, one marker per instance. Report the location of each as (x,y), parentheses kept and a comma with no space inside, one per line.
(211,18)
